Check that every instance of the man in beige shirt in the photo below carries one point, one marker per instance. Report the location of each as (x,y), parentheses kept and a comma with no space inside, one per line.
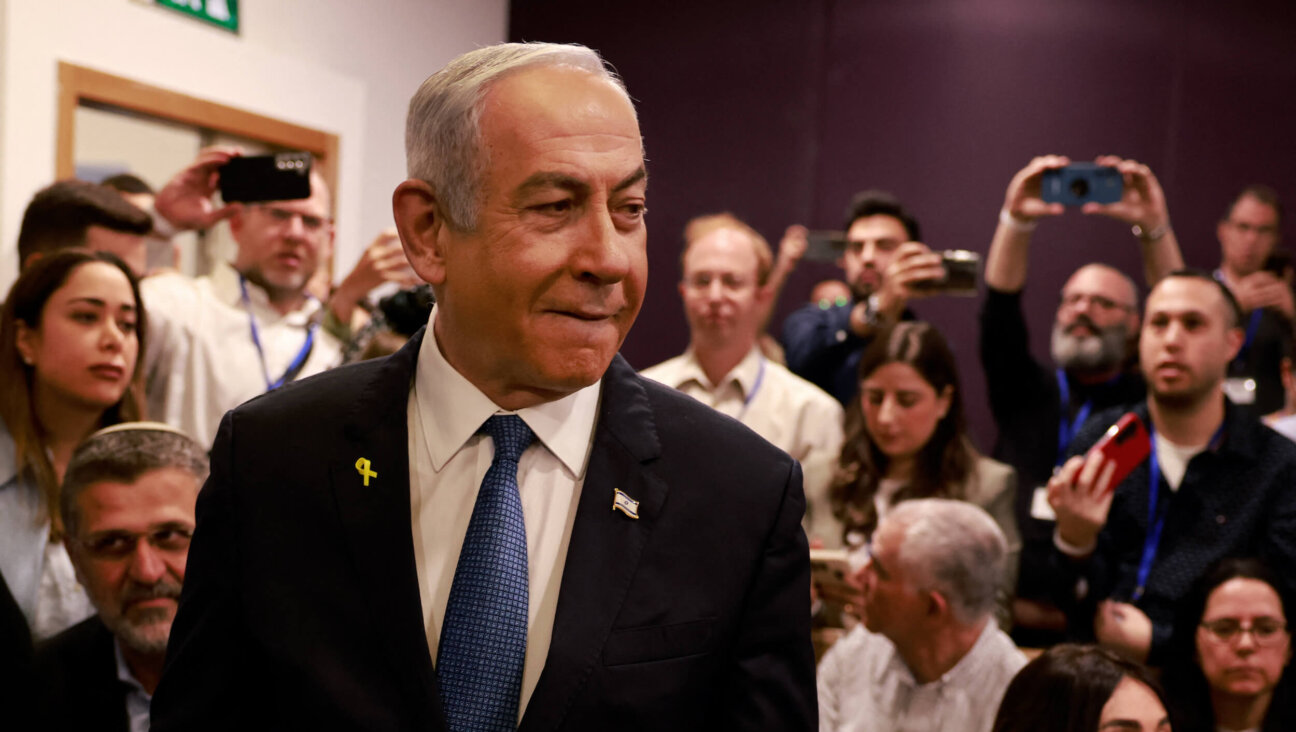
(726,268)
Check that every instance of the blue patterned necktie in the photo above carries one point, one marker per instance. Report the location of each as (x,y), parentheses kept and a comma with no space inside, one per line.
(483,637)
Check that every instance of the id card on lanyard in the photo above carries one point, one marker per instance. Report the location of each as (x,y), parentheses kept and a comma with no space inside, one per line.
(298,362)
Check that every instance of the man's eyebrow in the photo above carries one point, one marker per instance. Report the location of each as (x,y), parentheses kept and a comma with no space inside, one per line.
(639,175)
(539,181)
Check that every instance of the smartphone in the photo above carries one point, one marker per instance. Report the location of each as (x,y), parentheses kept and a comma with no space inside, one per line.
(1081,183)
(962,270)
(281,177)
(1127,444)
(825,246)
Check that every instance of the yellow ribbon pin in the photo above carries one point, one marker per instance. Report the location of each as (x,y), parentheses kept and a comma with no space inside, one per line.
(362,467)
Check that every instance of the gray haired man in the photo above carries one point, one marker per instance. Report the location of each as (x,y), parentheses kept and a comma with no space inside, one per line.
(128,505)
(929,654)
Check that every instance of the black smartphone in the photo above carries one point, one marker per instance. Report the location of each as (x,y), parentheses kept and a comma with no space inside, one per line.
(962,274)
(1080,183)
(280,177)
(825,246)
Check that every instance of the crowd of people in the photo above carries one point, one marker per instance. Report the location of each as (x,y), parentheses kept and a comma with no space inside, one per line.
(348,572)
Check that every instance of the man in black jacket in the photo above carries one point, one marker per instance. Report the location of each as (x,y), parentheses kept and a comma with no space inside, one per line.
(128,505)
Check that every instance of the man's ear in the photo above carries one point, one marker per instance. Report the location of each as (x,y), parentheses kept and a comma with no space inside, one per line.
(422,226)
(937,605)
(1235,337)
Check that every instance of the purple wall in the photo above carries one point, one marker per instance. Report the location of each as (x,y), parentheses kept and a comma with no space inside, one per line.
(779,111)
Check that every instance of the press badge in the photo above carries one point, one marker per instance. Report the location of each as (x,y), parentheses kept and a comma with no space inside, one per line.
(1240,390)
(1040,508)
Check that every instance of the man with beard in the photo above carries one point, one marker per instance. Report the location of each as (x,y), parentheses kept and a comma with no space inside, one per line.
(128,506)
(1039,408)
(1216,484)
(883,261)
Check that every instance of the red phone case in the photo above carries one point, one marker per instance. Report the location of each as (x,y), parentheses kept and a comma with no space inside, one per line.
(1127,444)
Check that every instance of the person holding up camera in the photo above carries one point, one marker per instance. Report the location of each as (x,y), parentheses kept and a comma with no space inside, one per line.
(883,262)
(1039,407)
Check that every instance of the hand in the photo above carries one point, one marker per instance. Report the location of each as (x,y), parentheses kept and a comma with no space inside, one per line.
(383,261)
(1142,200)
(913,263)
(1123,628)
(185,200)
(792,247)
(1022,201)
(1264,290)
(1081,495)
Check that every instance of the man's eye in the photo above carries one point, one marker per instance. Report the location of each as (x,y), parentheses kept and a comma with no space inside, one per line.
(554,207)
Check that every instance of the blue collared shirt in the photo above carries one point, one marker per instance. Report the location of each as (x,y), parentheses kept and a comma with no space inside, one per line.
(137,700)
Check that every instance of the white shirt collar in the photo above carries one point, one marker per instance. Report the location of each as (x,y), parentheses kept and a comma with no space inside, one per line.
(895,665)
(746,373)
(452,409)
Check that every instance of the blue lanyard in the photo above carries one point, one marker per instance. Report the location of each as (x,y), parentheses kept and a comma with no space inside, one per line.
(298,361)
(1067,429)
(1156,518)
(760,379)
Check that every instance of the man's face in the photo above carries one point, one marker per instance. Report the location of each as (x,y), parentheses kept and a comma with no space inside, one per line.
(281,243)
(1248,235)
(1095,318)
(893,605)
(721,297)
(1187,340)
(535,302)
(130,549)
(130,247)
(871,242)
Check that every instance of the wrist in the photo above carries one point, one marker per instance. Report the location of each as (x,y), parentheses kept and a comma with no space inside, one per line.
(1074,541)
(1149,233)
(1015,223)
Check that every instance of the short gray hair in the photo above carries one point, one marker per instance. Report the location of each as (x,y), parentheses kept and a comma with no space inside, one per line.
(954,548)
(124,452)
(443,128)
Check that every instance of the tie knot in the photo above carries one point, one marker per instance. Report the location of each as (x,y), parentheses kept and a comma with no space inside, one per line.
(511,435)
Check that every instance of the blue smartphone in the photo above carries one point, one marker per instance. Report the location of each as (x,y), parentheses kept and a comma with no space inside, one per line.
(1081,183)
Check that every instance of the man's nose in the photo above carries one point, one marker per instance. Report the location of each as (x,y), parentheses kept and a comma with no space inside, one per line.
(869,253)
(146,563)
(715,290)
(603,255)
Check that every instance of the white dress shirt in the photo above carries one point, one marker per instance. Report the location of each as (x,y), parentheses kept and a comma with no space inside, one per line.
(202,361)
(864,686)
(794,415)
(447,464)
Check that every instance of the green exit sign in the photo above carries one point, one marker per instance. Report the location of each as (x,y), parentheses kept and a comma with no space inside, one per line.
(220,13)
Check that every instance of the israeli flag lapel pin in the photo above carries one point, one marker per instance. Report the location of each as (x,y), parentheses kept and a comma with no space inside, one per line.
(625,504)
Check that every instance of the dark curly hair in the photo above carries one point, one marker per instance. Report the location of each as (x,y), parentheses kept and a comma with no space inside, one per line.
(943,464)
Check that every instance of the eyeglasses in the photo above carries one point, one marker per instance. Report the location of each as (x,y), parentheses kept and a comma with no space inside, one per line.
(121,544)
(1266,631)
(1100,302)
(312,224)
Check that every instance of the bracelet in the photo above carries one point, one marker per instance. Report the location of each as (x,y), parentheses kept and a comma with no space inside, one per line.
(1147,237)
(1012,222)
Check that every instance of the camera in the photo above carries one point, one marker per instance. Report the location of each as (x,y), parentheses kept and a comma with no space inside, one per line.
(961,267)
(281,177)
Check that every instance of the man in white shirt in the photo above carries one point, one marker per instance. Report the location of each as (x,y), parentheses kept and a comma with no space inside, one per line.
(501,521)
(726,267)
(251,325)
(929,654)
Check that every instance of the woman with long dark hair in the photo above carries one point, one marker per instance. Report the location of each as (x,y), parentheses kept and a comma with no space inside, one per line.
(1072,688)
(906,438)
(71,333)
(1230,651)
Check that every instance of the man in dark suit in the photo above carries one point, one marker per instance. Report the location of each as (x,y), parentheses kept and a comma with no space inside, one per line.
(644,562)
(128,505)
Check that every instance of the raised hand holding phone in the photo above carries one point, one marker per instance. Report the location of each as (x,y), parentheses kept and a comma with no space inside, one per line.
(1081,491)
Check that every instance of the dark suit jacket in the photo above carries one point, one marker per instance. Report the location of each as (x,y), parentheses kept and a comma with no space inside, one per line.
(76,672)
(301,605)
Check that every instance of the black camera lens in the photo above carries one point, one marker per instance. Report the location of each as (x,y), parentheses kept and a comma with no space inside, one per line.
(1080,187)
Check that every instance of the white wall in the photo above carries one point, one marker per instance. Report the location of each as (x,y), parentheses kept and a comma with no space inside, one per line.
(345,66)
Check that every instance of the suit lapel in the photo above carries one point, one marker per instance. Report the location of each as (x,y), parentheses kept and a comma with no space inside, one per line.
(605,545)
(376,520)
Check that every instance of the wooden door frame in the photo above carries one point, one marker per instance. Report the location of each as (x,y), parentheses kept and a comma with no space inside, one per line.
(78,84)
